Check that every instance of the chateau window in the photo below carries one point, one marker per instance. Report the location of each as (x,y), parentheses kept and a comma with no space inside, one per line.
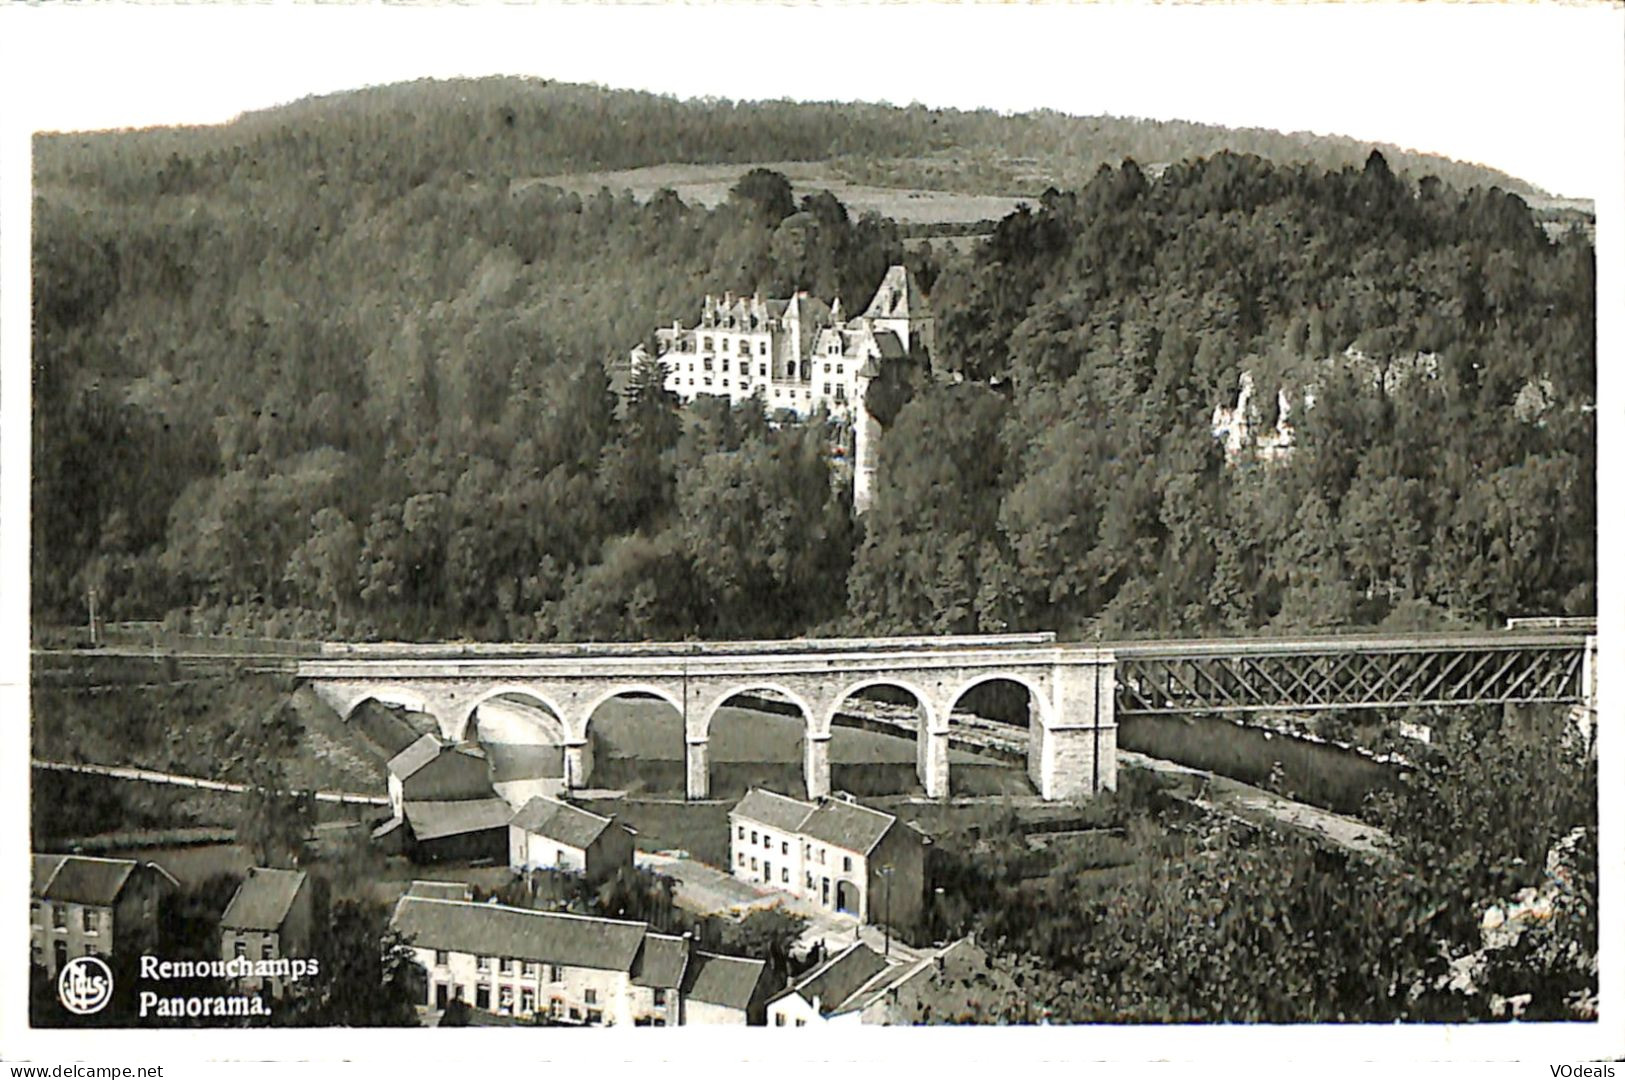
(762,371)
(784,848)
(761,349)
(753,862)
(840,369)
(809,881)
(727,344)
(741,858)
(708,363)
(707,344)
(725,384)
(708,380)
(767,841)
(840,393)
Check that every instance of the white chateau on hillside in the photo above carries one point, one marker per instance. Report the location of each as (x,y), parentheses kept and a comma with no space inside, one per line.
(798,354)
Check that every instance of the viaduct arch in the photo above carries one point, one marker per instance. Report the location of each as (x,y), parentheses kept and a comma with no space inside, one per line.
(1072,740)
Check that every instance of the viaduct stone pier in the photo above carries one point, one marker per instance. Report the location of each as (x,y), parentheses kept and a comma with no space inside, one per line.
(1072,730)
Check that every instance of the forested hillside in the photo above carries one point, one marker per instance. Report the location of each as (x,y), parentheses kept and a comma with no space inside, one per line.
(328,370)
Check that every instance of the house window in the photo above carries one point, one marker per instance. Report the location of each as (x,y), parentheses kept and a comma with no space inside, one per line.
(784,876)
(483,963)
(441,958)
(530,969)
(33,912)
(767,841)
(87,918)
(821,853)
(762,371)
(527,1000)
(753,836)
(239,948)
(761,349)
(741,832)
(839,369)
(846,863)
(59,917)
(594,1016)
(505,999)
(778,1019)
(741,858)
(267,951)
(784,848)
(482,996)
(800,1022)
(554,973)
(660,997)
(505,965)
(590,997)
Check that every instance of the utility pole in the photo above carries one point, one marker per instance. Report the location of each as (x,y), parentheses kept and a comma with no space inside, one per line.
(93,618)
(886,872)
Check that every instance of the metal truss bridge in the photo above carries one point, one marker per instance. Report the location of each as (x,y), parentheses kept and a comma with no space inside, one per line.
(1507,667)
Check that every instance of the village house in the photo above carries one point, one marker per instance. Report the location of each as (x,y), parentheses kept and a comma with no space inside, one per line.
(443,805)
(85,906)
(269,918)
(840,855)
(572,969)
(550,834)
(859,986)
(798,355)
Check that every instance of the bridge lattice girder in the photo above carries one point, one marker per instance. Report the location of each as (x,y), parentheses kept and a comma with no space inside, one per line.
(1365,674)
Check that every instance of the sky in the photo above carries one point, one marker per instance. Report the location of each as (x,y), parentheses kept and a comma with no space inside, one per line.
(1530,89)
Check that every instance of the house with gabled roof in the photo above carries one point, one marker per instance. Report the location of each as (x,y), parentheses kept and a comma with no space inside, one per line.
(269,919)
(81,905)
(571,969)
(824,992)
(835,852)
(552,834)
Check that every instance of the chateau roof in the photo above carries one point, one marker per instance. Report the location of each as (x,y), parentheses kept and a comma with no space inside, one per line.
(263,900)
(729,981)
(772,809)
(546,937)
(899,296)
(561,822)
(890,347)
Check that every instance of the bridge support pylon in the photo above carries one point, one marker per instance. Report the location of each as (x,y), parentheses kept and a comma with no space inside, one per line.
(577,763)
(931,762)
(817,764)
(697,755)
(1072,746)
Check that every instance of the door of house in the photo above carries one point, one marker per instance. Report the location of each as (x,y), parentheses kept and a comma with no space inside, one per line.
(440,995)
(767,871)
(826,892)
(846,897)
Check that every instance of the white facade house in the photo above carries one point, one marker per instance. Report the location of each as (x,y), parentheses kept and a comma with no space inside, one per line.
(571,969)
(834,852)
(552,834)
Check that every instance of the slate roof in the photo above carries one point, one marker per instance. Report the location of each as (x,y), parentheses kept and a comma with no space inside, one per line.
(415,756)
(431,820)
(662,963)
(729,981)
(542,936)
(772,809)
(891,348)
(44,867)
(847,825)
(81,879)
(263,900)
(901,975)
(561,822)
(898,297)
(440,890)
(838,978)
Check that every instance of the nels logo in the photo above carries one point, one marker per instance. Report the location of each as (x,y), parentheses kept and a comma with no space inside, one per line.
(85,985)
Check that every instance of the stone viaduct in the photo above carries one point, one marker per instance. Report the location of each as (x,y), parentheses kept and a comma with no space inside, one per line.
(1072,731)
